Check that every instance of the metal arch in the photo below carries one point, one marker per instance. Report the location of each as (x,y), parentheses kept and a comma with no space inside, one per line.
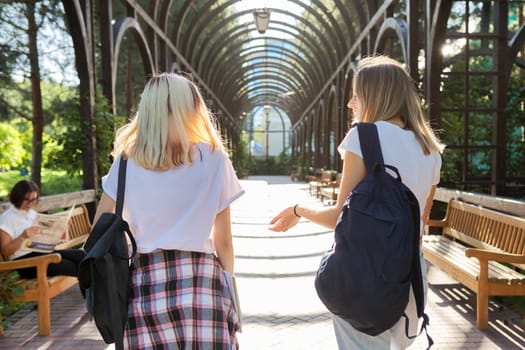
(365,33)
(262,80)
(81,33)
(205,19)
(149,33)
(263,86)
(272,85)
(307,54)
(321,20)
(321,63)
(314,65)
(228,36)
(434,59)
(334,24)
(273,91)
(395,26)
(293,60)
(250,69)
(346,18)
(307,73)
(160,16)
(120,28)
(361,15)
(278,59)
(181,18)
(321,153)
(274,78)
(517,41)
(333,116)
(289,63)
(242,78)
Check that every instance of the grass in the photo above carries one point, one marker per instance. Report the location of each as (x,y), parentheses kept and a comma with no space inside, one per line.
(53,182)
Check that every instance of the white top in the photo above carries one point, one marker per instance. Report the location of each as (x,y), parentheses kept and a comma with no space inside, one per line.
(401,149)
(13,222)
(176,208)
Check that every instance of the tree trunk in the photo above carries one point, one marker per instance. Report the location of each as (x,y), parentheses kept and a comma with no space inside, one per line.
(36,95)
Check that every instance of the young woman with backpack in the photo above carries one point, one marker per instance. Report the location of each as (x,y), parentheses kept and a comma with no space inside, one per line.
(179,187)
(383,93)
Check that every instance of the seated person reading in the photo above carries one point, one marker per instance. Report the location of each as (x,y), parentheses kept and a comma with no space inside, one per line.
(16,225)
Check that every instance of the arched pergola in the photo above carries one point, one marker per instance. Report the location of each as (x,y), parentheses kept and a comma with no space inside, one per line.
(303,65)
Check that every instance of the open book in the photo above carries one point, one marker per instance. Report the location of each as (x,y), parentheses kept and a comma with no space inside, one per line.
(232,286)
(53,230)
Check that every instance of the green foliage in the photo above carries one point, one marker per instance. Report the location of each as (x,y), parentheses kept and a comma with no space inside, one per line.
(106,126)
(475,161)
(241,157)
(516,123)
(7,289)
(53,182)
(279,165)
(11,150)
(60,181)
(71,139)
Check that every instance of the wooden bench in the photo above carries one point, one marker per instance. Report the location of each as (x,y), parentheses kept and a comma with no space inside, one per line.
(42,288)
(328,193)
(475,244)
(316,185)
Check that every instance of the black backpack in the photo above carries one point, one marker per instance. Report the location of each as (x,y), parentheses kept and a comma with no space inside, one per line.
(365,278)
(104,274)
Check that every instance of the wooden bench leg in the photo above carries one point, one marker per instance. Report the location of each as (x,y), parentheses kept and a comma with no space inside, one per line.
(482,309)
(482,302)
(44,306)
(44,316)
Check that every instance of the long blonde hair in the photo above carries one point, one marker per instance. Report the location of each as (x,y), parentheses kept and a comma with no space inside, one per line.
(171,118)
(386,91)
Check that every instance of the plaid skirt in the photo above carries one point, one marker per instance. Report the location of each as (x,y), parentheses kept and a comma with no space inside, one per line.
(179,300)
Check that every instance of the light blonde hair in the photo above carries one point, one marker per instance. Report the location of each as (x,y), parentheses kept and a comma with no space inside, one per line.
(171,118)
(386,91)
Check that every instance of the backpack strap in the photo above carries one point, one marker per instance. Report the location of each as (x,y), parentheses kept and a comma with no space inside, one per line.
(121,184)
(370,146)
(120,201)
(372,156)
(117,326)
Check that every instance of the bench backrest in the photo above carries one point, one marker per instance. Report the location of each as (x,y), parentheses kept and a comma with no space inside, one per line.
(79,223)
(485,228)
(326,176)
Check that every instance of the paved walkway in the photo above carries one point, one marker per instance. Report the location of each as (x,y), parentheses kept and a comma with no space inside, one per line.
(275,279)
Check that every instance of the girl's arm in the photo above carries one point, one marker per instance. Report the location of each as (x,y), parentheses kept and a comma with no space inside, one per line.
(353,171)
(222,238)
(105,205)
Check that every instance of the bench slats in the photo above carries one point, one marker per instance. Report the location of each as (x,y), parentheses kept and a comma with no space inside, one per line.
(467,225)
(485,228)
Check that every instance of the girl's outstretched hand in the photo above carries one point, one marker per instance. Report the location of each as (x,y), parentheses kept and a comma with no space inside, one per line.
(284,220)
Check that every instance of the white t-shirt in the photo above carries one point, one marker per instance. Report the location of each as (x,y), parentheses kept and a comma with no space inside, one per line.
(401,149)
(176,208)
(13,222)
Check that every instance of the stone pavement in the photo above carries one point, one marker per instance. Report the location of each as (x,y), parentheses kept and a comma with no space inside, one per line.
(275,273)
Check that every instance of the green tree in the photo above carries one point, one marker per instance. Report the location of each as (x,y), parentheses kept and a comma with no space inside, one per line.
(71,140)
(11,149)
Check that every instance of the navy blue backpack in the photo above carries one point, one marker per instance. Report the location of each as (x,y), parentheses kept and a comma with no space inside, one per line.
(366,277)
